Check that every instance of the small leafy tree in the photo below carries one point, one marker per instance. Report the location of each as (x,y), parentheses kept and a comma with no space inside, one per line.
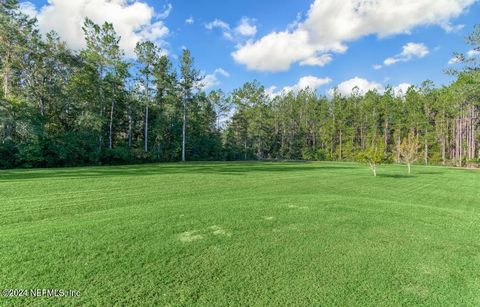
(373,156)
(409,150)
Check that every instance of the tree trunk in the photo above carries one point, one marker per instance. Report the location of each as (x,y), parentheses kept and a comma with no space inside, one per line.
(147,101)
(6,75)
(385,136)
(362,137)
(398,146)
(5,83)
(129,125)
(472,133)
(184,129)
(245,149)
(42,115)
(425,150)
(409,168)
(110,126)
(340,155)
(443,149)
(460,140)
(101,110)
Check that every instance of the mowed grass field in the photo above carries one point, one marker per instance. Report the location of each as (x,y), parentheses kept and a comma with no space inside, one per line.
(241,234)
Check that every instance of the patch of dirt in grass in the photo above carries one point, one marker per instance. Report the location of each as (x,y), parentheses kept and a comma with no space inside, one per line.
(219,231)
(195,235)
(190,236)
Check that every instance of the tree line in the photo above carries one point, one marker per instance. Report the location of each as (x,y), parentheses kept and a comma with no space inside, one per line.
(60,107)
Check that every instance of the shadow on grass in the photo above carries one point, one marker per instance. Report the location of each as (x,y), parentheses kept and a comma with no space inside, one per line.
(221,168)
(429,173)
(397,176)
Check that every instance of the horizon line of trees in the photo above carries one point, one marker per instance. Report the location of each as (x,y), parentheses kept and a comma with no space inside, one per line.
(59,107)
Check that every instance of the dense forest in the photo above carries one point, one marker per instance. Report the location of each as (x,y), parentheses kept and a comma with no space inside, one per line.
(60,107)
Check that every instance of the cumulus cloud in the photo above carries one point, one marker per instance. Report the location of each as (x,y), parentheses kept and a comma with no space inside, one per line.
(212,79)
(310,82)
(320,60)
(307,82)
(346,88)
(331,24)
(246,27)
(410,51)
(134,21)
(363,85)
(276,51)
(401,89)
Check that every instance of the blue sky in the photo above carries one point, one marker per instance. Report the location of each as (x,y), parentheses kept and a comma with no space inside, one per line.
(279,44)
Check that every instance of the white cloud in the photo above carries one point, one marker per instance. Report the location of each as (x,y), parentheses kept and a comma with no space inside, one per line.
(190,20)
(272,91)
(401,89)
(390,61)
(217,23)
(246,27)
(346,87)
(310,82)
(449,28)
(415,49)
(212,80)
(410,51)
(377,66)
(320,60)
(469,55)
(454,60)
(276,51)
(330,24)
(162,15)
(134,21)
(28,9)
(223,72)
(473,53)
(223,26)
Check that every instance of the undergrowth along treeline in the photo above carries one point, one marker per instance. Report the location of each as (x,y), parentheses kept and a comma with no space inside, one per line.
(60,107)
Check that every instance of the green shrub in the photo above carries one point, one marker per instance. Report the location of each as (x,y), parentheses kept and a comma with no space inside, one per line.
(8,155)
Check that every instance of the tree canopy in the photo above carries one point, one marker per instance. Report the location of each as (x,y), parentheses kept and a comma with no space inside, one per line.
(60,107)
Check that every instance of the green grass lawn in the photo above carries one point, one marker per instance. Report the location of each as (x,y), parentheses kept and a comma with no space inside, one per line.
(242,234)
